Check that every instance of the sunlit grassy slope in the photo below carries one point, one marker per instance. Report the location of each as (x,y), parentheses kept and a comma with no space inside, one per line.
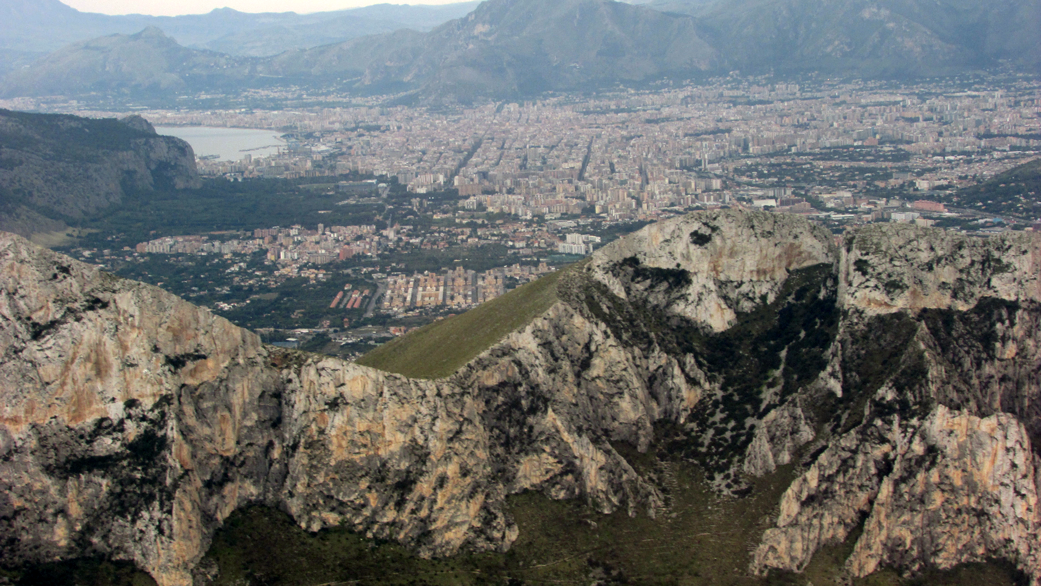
(441,348)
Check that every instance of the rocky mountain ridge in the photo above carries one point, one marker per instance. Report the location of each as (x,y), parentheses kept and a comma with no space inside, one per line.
(896,369)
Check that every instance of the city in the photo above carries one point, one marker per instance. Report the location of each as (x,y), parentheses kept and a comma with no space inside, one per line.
(527,187)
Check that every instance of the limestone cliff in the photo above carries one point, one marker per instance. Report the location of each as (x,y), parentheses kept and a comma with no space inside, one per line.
(133,423)
(938,356)
(895,369)
(55,167)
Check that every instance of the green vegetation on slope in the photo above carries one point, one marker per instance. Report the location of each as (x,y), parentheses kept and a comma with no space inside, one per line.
(441,348)
(699,539)
(220,205)
(67,138)
(82,572)
(1016,192)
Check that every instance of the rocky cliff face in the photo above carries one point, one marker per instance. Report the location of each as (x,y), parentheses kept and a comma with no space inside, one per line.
(938,356)
(56,167)
(896,370)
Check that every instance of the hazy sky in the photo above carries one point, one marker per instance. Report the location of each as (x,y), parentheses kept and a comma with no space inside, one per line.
(175,7)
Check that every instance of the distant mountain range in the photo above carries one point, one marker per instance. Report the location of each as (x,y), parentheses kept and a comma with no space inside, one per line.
(876,38)
(517,47)
(508,48)
(43,26)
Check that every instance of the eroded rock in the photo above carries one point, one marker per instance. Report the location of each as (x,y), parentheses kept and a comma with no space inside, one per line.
(903,391)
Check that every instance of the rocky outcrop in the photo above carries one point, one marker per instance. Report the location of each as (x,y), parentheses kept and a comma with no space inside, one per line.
(133,423)
(949,489)
(935,455)
(896,372)
(728,263)
(56,167)
(891,268)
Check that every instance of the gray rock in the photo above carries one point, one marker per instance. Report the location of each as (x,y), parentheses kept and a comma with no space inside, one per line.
(904,392)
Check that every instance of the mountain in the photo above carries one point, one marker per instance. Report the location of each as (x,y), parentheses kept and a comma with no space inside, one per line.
(874,399)
(292,31)
(511,47)
(504,48)
(521,47)
(43,26)
(690,7)
(874,38)
(55,168)
(12,60)
(148,62)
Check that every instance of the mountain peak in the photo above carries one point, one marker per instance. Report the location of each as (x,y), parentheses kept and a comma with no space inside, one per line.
(151,32)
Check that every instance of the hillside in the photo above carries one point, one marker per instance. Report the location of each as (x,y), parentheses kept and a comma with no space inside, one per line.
(43,26)
(148,63)
(55,168)
(314,30)
(517,47)
(509,48)
(440,349)
(814,35)
(1015,193)
(722,398)
(887,38)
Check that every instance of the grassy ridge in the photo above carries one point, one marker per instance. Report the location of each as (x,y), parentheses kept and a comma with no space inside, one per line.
(441,348)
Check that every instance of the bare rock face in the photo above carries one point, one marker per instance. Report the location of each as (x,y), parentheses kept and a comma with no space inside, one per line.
(951,489)
(889,268)
(133,423)
(777,439)
(938,354)
(732,262)
(897,372)
(123,408)
(969,485)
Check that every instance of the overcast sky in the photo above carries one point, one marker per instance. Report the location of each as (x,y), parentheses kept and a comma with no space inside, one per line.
(175,7)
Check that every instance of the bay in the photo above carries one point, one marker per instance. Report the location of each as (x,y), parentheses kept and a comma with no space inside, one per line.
(227,144)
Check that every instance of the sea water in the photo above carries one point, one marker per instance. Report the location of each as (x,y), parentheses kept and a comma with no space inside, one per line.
(227,144)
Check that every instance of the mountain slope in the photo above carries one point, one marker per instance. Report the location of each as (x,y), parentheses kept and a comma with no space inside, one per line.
(260,39)
(147,62)
(48,25)
(894,376)
(55,168)
(888,38)
(1014,192)
(509,47)
(440,349)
